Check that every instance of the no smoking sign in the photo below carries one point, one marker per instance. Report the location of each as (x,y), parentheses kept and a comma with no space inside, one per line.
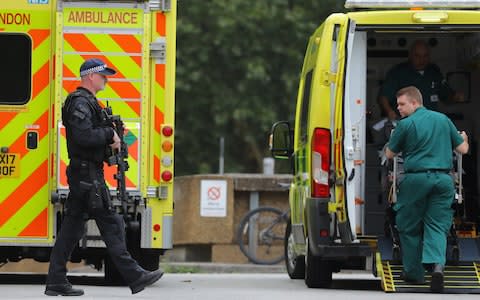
(213,198)
(214,193)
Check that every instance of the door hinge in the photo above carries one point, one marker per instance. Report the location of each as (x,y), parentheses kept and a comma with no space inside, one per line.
(158,50)
(328,77)
(161,5)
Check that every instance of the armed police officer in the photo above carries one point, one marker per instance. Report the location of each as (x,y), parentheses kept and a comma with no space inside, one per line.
(426,193)
(88,136)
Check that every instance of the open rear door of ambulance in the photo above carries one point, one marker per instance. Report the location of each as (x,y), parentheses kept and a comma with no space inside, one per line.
(344,200)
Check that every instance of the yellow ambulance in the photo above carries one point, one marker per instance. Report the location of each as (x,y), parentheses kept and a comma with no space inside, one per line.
(44,42)
(338,197)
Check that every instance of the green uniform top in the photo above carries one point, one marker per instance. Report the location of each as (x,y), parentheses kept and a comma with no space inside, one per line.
(426,138)
(431,84)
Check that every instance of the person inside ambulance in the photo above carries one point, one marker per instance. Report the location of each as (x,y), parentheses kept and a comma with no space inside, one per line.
(88,136)
(418,71)
(425,195)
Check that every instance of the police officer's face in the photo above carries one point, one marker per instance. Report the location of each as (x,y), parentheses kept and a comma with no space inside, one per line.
(99,81)
(406,105)
(420,57)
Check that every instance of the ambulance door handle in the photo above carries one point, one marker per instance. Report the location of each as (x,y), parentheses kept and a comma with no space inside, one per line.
(32,140)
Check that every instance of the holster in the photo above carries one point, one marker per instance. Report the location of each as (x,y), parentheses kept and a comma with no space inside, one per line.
(98,198)
(94,199)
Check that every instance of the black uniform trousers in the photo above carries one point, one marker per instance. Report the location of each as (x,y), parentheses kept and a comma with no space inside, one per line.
(110,224)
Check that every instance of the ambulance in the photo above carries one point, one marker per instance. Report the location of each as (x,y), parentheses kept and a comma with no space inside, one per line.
(44,42)
(338,198)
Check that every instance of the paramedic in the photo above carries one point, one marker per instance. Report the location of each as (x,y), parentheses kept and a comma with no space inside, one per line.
(425,195)
(89,198)
(422,74)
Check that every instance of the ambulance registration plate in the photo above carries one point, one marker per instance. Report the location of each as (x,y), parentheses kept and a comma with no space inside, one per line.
(9,165)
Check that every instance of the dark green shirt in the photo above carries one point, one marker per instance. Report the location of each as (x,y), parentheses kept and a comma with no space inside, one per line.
(431,84)
(426,139)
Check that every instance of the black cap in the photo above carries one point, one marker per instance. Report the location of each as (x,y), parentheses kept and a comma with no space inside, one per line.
(95,65)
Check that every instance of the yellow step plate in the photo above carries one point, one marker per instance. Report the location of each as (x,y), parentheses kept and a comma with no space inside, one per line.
(463,278)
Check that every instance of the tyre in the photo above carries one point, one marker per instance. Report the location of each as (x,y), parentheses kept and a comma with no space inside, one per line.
(149,260)
(294,263)
(260,235)
(318,272)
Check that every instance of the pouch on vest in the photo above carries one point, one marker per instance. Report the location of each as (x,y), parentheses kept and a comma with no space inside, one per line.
(94,199)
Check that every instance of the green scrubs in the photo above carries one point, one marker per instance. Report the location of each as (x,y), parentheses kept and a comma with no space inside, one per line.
(426,193)
(430,83)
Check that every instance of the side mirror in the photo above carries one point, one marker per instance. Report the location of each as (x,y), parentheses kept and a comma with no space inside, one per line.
(281,140)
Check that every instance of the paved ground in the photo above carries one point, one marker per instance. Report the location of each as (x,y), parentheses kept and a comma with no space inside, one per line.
(211,281)
(221,286)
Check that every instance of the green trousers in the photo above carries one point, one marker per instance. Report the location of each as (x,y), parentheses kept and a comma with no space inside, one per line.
(424,217)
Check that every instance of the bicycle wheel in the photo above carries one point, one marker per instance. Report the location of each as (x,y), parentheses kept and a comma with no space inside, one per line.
(261,233)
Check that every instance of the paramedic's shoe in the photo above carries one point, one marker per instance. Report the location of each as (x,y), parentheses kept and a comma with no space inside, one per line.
(145,280)
(65,289)
(436,285)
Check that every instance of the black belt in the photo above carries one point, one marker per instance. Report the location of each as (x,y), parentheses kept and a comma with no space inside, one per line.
(77,163)
(429,171)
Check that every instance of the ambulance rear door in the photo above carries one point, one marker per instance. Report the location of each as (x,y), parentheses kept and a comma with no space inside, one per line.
(26,62)
(116,33)
(343,32)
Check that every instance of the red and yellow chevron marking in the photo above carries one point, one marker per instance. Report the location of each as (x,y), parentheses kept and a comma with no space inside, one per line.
(126,58)
(6,117)
(37,227)
(24,201)
(131,176)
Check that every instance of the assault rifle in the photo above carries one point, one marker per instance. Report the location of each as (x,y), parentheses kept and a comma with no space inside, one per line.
(118,158)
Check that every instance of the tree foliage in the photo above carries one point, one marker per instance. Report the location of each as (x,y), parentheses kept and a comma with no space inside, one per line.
(238,64)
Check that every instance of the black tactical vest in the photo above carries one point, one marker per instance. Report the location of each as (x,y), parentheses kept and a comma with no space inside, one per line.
(75,148)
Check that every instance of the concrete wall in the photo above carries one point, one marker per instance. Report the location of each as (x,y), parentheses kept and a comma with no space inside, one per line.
(198,238)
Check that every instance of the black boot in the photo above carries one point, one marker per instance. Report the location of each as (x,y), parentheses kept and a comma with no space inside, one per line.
(145,280)
(436,285)
(65,289)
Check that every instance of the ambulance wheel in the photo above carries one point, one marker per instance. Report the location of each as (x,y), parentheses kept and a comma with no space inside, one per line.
(318,272)
(295,263)
(149,260)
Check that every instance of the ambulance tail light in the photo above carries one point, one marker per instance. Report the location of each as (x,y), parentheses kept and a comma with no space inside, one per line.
(167,176)
(321,145)
(167,131)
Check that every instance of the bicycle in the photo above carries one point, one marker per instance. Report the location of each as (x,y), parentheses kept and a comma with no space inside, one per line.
(261,235)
